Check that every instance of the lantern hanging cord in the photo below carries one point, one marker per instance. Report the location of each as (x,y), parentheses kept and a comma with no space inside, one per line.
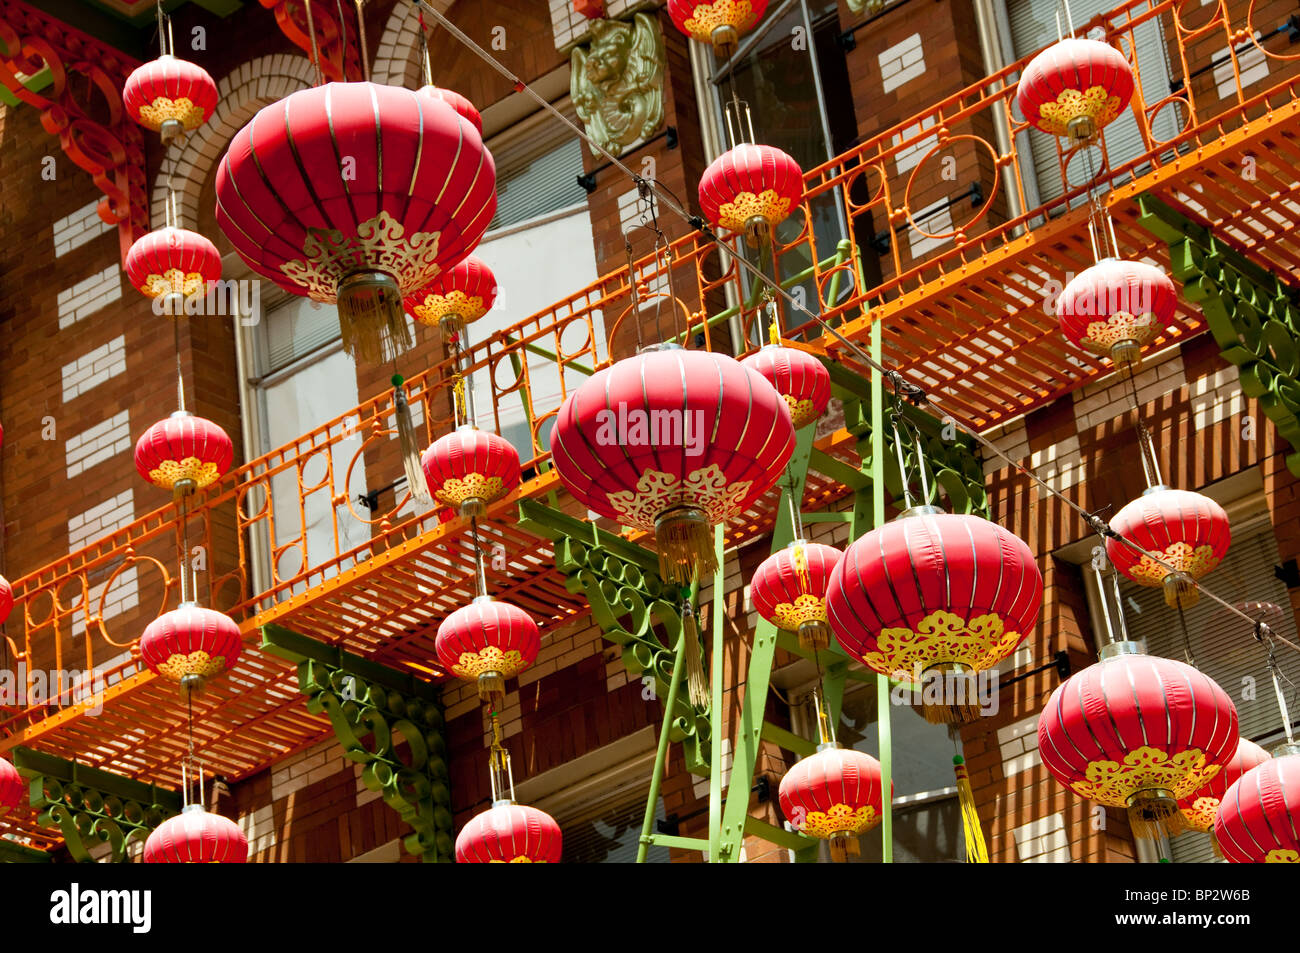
(315,49)
(914,393)
(1264,633)
(480,572)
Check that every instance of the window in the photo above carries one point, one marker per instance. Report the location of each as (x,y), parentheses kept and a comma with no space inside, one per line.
(609,832)
(538,163)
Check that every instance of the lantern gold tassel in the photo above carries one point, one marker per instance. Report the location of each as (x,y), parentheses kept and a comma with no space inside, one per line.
(684,539)
(697,683)
(843,846)
(1153,813)
(371,316)
(949,694)
(409,443)
(976,851)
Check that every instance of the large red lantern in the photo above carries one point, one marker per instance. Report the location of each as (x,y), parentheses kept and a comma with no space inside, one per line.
(673,442)
(1259,817)
(751,189)
(172,264)
(1115,307)
(470,468)
(935,595)
(834,795)
(170,96)
(196,837)
(717,22)
(1138,732)
(1187,530)
(457,102)
(801,380)
(789,590)
(11,787)
(1200,807)
(510,833)
(457,297)
(183,454)
(190,645)
(1074,88)
(487,642)
(6,599)
(357,193)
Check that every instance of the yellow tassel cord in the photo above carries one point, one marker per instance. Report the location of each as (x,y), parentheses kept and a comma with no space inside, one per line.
(843,846)
(371,317)
(410,444)
(684,539)
(697,682)
(976,851)
(958,702)
(1153,814)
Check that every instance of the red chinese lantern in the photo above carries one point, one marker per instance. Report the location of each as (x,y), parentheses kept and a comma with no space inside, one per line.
(170,96)
(1187,530)
(183,454)
(933,598)
(457,297)
(789,590)
(801,380)
(487,642)
(190,645)
(834,795)
(673,442)
(751,189)
(510,833)
(591,9)
(6,599)
(718,22)
(1074,88)
(470,468)
(11,787)
(1115,307)
(457,102)
(1200,807)
(357,193)
(1138,732)
(1259,817)
(172,264)
(196,837)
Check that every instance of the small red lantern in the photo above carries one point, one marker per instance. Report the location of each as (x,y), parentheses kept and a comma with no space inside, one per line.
(487,642)
(470,468)
(510,833)
(801,380)
(834,795)
(717,22)
(751,189)
(6,599)
(1115,307)
(591,9)
(1259,818)
(1187,530)
(190,645)
(196,837)
(457,297)
(172,264)
(1074,88)
(457,102)
(183,454)
(1138,732)
(789,590)
(11,787)
(170,96)
(1200,807)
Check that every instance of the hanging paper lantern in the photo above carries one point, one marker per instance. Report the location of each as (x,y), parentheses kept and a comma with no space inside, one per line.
(357,193)
(834,795)
(789,590)
(802,381)
(751,189)
(591,9)
(1187,530)
(183,454)
(6,599)
(510,833)
(170,96)
(487,642)
(673,442)
(11,787)
(717,22)
(1259,817)
(457,297)
(190,644)
(1200,807)
(1074,88)
(1115,307)
(172,264)
(470,468)
(196,837)
(1138,732)
(934,597)
(457,102)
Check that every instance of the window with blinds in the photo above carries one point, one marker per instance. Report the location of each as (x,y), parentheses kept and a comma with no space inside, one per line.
(535,183)
(296,328)
(609,831)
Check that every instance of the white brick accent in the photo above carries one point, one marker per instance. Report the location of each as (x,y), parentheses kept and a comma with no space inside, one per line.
(88,296)
(100,520)
(1043,841)
(1013,440)
(1217,397)
(1019,746)
(1060,466)
(907,158)
(315,764)
(74,230)
(97,444)
(1110,397)
(902,62)
(91,370)
(1251,63)
(571,27)
(936,220)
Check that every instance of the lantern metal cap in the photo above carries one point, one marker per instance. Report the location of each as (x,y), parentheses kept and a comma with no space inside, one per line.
(479,600)
(503,802)
(921,509)
(176,414)
(195,808)
(1116,649)
(467,427)
(1158,488)
(1286,749)
(827,746)
(661,346)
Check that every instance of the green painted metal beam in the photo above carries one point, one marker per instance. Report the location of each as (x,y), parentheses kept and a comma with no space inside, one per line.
(779,836)
(661,753)
(11,853)
(30,762)
(788,740)
(296,648)
(673,840)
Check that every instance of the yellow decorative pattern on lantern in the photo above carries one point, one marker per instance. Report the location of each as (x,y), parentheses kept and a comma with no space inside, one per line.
(154,114)
(943,637)
(747,205)
(1194,562)
(806,608)
(1280,856)
(196,663)
(437,307)
(474,486)
(473,664)
(1055,117)
(1200,816)
(707,17)
(1145,769)
(1121,326)
(380,244)
(655,492)
(840,817)
(802,412)
(172,281)
(517,860)
(170,472)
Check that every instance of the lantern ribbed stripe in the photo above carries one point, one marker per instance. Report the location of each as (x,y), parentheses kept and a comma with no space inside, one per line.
(797,376)
(752,169)
(1097,294)
(509,834)
(196,837)
(780,580)
(6,599)
(496,628)
(162,448)
(457,102)
(168,249)
(699,18)
(1247,756)
(1167,518)
(831,778)
(1259,816)
(170,79)
(464,453)
(1112,709)
(12,786)
(454,292)
(177,635)
(1072,65)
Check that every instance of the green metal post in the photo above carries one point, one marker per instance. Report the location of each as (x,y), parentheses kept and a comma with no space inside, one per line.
(715,704)
(661,756)
(878,519)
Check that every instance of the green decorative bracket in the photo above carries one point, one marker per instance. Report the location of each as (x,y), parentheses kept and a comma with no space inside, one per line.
(12,853)
(1253,315)
(373,709)
(91,806)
